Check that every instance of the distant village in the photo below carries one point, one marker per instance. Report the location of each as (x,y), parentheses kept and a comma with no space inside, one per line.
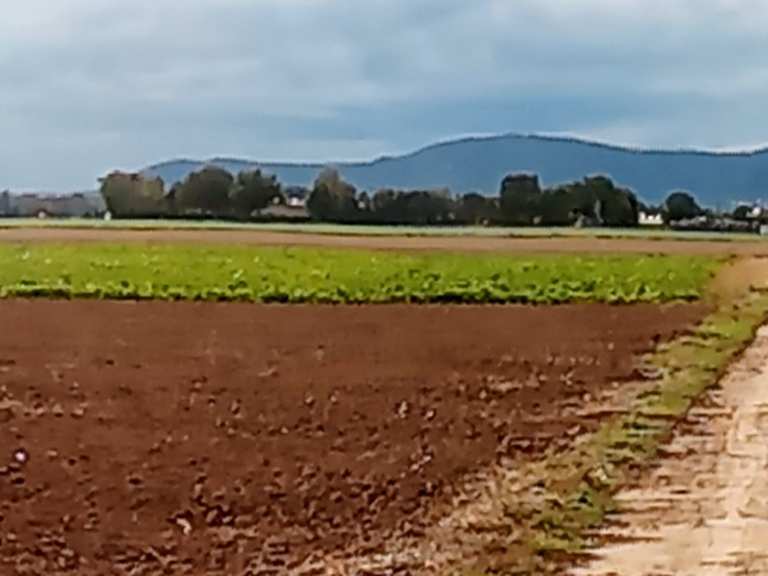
(41,205)
(746,217)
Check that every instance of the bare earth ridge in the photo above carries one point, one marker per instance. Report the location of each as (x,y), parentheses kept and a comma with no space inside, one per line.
(453,243)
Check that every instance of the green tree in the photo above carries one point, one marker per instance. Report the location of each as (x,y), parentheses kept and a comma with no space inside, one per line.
(385,206)
(475,209)
(680,205)
(560,206)
(253,192)
(128,195)
(428,207)
(615,207)
(415,207)
(5,203)
(595,200)
(332,199)
(205,192)
(742,212)
(520,197)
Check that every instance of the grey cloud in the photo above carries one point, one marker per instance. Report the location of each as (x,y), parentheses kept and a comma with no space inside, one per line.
(87,85)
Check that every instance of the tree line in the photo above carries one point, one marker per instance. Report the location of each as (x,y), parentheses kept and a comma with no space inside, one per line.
(210,192)
(522,201)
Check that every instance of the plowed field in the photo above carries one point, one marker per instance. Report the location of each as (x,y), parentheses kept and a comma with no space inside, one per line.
(202,438)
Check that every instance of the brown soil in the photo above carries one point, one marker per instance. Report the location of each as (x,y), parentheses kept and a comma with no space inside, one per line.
(183,438)
(455,243)
(739,277)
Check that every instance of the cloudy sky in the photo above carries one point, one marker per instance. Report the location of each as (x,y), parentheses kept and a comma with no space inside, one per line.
(91,85)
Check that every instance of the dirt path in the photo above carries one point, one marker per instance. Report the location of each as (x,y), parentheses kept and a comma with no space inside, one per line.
(455,243)
(704,510)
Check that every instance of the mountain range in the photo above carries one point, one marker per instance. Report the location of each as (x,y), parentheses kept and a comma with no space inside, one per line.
(717,179)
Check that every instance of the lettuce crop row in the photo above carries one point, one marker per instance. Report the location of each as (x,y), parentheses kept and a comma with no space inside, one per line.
(303,275)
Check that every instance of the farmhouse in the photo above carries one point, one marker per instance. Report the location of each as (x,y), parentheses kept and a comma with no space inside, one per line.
(285,212)
(650,219)
(296,196)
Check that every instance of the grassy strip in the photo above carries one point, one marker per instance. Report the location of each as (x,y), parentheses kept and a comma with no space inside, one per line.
(577,490)
(369,230)
(293,275)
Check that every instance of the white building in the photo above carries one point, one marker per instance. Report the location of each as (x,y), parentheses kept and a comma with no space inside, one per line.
(650,219)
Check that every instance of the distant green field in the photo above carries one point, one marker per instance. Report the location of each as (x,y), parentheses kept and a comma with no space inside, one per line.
(365,230)
(346,276)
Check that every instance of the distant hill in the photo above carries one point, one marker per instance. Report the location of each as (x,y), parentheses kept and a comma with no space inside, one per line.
(479,164)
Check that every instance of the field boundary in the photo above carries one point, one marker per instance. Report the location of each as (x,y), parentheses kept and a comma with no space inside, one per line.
(576,493)
(361,230)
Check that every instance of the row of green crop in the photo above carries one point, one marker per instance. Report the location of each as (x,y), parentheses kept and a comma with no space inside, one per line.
(341,276)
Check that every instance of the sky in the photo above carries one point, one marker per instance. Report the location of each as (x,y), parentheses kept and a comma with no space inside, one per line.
(87,86)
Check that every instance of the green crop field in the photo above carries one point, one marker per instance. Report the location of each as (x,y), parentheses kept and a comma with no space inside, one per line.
(336,276)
